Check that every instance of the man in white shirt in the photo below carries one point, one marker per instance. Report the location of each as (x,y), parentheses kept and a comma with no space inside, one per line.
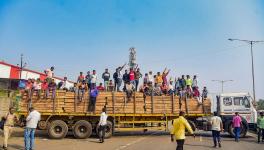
(93,78)
(171,88)
(102,125)
(49,73)
(151,78)
(65,84)
(217,127)
(29,135)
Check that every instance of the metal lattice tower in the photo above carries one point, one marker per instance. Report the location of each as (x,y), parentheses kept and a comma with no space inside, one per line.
(132,57)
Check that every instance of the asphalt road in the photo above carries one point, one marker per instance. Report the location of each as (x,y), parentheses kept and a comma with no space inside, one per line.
(134,141)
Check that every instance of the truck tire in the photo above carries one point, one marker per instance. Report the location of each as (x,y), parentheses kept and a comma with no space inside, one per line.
(57,129)
(108,130)
(243,132)
(193,126)
(82,129)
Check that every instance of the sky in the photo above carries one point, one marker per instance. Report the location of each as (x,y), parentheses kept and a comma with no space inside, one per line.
(186,36)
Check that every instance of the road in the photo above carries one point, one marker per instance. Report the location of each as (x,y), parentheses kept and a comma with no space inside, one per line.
(133,141)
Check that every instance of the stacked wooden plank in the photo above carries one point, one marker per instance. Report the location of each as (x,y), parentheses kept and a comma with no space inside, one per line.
(116,103)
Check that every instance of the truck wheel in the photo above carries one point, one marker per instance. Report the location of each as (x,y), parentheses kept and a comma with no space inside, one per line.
(243,132)
(42,125)
(193,126)
(108,130)
(57,129)
(82,129)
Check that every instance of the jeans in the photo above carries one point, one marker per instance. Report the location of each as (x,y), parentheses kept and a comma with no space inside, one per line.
(216,137)
(180,144)
(92,103)
(101,131)
(136,82)
(29,137)
(46,93)
(119,83)
(81,94)
(133,82)
(53,93)
(237,133)
(259,134)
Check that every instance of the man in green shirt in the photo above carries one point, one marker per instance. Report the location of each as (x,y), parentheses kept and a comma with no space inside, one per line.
(260,124)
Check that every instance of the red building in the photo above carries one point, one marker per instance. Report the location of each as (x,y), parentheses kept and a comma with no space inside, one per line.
(10,75)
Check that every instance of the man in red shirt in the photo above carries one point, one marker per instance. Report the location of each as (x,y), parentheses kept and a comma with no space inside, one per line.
(45,89)
(100,87)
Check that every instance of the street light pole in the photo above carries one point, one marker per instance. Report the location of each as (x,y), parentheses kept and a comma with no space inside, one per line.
(222,83)
(253,71)
(21,65)
(251,42)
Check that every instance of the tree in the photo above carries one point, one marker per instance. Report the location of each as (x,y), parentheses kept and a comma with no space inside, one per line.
(260,104)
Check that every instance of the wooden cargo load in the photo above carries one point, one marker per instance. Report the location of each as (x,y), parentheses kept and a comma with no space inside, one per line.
(116,103)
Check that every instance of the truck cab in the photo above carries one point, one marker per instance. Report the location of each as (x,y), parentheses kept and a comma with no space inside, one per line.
(229,103)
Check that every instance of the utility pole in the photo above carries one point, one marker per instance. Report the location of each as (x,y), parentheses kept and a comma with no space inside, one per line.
(222,83)
(22,65)
(251,42)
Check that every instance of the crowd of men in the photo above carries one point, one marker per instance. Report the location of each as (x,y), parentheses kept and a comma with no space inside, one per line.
(152,84)
(157,84)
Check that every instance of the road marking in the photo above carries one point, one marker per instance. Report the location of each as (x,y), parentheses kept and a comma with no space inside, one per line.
(134,142)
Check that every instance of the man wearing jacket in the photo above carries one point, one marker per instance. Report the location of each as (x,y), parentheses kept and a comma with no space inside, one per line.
(179,126)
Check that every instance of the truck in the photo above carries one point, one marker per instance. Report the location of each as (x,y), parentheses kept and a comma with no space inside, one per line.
(229,103)
(67,113)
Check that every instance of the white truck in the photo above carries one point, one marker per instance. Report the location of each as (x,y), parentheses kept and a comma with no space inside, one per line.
(229,103)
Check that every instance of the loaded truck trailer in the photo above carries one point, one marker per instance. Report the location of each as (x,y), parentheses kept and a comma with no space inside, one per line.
(139,113)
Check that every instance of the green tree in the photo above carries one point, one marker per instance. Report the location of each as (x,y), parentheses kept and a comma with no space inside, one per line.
(260,104)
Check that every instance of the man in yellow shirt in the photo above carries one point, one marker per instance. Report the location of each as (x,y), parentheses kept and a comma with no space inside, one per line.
(159,79)
(179,126)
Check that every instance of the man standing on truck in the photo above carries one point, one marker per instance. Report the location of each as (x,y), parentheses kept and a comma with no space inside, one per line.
(217,127)
(260,124)
(102,125)
(93,78)
(237,121)
(106,78)
(179,126)
(32,121)
(93,95)
(49,73)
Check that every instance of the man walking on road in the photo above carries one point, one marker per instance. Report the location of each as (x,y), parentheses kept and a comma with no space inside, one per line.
(179,126)
(260,124)
(102,125)
(217,127)
(237,121)
(29,135)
